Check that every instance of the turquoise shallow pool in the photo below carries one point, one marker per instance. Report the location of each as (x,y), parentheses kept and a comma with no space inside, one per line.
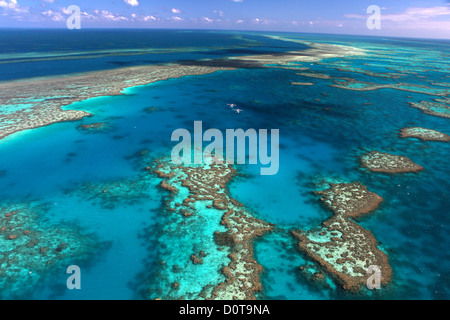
(62,170)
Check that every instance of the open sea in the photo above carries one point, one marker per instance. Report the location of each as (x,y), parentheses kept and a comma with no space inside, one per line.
(59,169)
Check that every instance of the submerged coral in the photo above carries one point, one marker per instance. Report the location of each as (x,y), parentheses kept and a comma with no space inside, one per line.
(29,250)
(111,193)
(94,127)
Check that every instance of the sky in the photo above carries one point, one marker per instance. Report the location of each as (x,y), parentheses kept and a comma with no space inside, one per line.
(399,18)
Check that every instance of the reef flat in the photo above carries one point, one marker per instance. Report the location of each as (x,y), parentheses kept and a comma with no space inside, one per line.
(37,102)
(342,247)
(443,100)
(302,83)
(424,134)
(345,67)
(367,86)
(433,108)
(350,199)
(388,163)
(197,192)
(316,52)
(315,75)
(29,250)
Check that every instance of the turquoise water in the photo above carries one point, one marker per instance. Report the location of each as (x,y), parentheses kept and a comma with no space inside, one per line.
(67,169)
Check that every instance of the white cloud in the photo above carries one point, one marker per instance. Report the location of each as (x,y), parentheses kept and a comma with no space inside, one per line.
(149,18)
(207,19)
(84,14)
(107,15)
(174,10)
(263,21)
(14,6)
(47,13)
(8,3)
(54,15)
(132,3)
(88,16)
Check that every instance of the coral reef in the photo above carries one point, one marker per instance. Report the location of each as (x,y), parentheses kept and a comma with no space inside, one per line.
(424,134)
(341,246)
(315,75)
(111,193)
(43,100)
(29,250)
(302,83)
(388,163)
(350,199)
(316,52)
(94,127)
(367,86)
(199,190)
(433,108)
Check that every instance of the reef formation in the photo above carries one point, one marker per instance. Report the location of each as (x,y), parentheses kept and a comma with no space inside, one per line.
(37,102)
(197,191)
(367,86)
(341,246)
(94,127)
(111,193)
(29,250)
(433,108)
(302,83)
(424,134)
(388,163)
(314,53)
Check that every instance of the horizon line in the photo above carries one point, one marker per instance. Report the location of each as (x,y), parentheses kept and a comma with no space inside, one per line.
(226,30)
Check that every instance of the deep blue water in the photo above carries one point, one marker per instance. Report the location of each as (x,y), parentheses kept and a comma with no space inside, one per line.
(36,53)
(318,138)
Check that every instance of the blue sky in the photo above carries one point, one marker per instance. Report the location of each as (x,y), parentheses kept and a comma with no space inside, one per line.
(405,18)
